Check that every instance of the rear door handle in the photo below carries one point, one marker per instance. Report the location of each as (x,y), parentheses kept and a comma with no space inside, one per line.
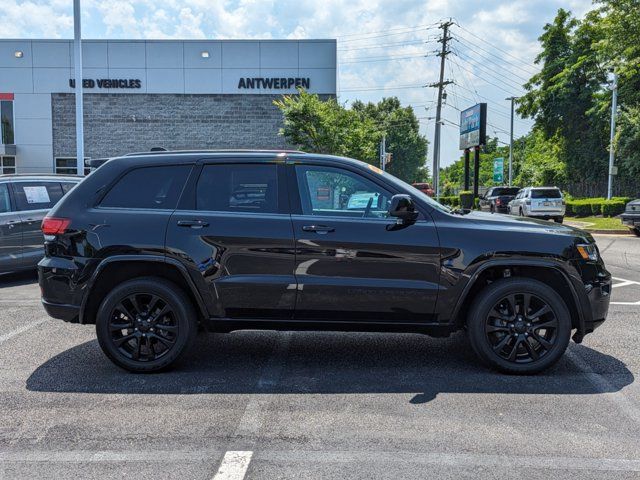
(321,229)
(193,223)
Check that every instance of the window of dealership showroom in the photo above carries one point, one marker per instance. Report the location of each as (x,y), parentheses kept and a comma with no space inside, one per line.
(176,94)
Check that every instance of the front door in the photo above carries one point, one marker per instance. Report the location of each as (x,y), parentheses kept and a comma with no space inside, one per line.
(351,265)
(236,239)
(10,234)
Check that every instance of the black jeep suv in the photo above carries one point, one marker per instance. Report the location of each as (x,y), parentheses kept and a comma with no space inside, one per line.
(149,247)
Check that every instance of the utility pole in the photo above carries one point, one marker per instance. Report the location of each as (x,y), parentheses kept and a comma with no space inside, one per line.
(441,84)
(383,152)
(511,140)
(77,55)
(612,153)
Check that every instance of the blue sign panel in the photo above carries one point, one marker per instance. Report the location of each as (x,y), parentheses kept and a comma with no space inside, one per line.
(473,126)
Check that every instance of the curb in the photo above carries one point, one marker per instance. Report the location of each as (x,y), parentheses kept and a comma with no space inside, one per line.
(611,232)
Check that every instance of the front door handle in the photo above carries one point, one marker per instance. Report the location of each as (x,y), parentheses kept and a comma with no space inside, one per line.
(193,223)
(321,229)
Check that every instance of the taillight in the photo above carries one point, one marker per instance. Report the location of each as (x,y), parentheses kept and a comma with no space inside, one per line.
(498,201)
(54,226)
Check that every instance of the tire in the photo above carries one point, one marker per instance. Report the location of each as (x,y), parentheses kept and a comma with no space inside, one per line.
(559,219)
(166,328)
(636,231)
(520,212)
(494,338)
(492,209)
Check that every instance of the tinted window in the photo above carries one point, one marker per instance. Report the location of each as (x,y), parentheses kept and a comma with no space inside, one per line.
(546,193)
(336,192)
(148,187)
(504,191)
(66,186)
(5,205)
(238,188)
(36,195)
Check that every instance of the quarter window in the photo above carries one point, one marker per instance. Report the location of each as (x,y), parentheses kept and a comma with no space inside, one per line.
(238,188)
(7,165)
(336,192)
(148,187)
(36,195)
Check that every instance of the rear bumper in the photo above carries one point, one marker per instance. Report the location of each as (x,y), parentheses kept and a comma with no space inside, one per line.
(68,313)
(631,220)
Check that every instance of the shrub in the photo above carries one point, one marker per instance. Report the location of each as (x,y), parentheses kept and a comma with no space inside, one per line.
(611,208)
(596,206)
(581,208)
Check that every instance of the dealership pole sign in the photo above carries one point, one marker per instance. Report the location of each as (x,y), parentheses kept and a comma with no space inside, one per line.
(473,126)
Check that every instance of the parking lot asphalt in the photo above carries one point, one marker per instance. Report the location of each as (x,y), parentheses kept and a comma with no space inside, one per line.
(319,405)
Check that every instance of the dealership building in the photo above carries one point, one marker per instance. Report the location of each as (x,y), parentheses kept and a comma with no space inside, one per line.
(140,94)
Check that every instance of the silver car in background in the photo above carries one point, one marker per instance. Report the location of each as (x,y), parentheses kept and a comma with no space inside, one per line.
(539,202)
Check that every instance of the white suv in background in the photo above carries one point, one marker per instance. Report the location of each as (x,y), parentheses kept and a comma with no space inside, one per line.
(539,202)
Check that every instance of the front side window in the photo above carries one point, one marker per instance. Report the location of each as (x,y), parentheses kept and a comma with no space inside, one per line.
(6,120)
(336,192)
(7,165)
(238,188)
(5,204)
(148,187)
(36,195)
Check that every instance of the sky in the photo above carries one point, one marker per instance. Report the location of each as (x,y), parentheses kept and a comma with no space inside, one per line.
(385,47)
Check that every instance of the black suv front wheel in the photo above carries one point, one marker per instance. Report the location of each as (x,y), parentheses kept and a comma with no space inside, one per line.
(519,325)
(145,324)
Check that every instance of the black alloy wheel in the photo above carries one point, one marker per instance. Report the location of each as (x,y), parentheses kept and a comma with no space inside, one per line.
(519,325)
(521,328)
(146,324)
(143,327)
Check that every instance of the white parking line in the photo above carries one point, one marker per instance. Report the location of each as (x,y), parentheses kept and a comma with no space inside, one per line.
(18,331)
(234,465)
(624,283)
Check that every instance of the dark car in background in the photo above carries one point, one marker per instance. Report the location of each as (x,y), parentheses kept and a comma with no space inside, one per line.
(151,247)
(425,188)
(631,216)
(497,199)
(24,201)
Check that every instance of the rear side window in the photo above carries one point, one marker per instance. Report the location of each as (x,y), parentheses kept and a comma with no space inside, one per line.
(5,204)
(238,188)
(36,195)
(148,187)
(546,193)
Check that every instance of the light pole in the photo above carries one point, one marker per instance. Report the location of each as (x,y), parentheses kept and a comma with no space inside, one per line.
(511,139)
(77,54)
(614,107)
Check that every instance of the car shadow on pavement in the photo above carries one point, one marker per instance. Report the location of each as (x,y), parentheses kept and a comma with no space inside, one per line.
(255,362)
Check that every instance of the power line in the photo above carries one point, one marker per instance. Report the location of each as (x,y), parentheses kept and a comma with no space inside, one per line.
(390,34)
(524,62)
(390,87)
(384,45)
(383,59)
(504,81)
(486,58)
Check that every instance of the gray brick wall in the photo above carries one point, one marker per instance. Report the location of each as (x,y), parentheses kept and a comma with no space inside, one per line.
(120,123)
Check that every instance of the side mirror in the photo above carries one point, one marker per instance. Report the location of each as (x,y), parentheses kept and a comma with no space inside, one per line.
(403,208)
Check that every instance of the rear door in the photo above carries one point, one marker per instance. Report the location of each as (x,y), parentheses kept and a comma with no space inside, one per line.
(546,201)
(10,234)
(233,232)
(33,200)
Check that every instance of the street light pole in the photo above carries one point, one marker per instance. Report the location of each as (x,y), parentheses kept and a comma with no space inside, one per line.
(77,53)
(511,141)
(614,107)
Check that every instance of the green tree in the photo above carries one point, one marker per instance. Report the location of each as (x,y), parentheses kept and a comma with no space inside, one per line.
(325,126)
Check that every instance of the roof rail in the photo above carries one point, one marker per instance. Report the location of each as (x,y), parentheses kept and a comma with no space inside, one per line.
(221,150)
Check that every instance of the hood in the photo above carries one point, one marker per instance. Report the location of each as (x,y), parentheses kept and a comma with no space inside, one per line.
(525,224)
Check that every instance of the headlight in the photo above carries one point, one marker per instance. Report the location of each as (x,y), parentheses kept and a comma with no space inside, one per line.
(588,251)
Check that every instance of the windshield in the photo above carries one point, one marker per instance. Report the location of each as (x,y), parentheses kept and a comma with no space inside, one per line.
(504,191)
(546,193)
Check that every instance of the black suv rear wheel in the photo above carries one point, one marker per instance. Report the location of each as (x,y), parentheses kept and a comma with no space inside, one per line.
(145,324)
(519,325)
